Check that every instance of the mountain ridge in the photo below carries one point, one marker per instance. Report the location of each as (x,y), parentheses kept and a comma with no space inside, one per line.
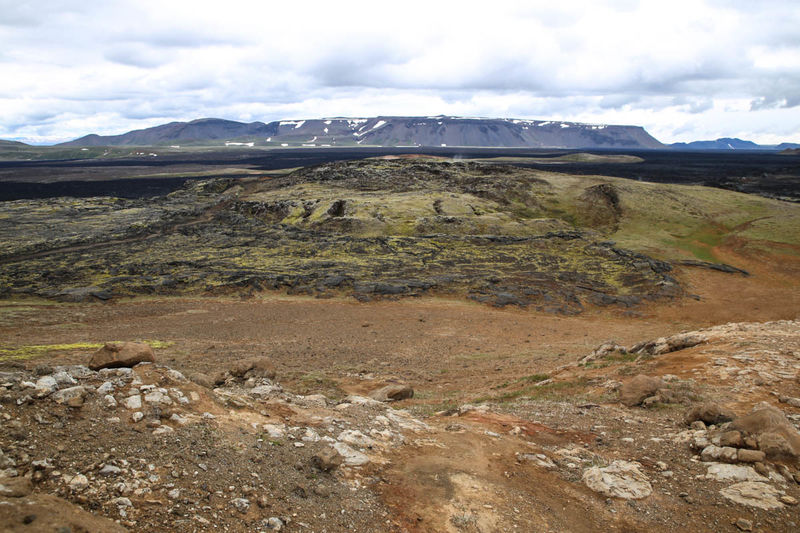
(386,131)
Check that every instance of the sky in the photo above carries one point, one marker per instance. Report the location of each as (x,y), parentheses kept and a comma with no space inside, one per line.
(685,70)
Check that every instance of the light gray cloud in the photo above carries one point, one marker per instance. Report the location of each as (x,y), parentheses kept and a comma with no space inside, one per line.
(684,69)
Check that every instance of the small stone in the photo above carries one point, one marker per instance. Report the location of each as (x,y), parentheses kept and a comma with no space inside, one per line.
(241,504)
(788,500)
(178,419)
(109,402)
(137,416)
(174,494)
(72,396)
(743,524)
(105,388)
(79,483)
(698,425)
(110,470)
(274,523)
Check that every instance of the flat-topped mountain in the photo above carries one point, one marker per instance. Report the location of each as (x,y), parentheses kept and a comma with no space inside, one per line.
(385,131)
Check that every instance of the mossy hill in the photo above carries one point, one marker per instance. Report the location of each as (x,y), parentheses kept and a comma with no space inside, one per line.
(388,228)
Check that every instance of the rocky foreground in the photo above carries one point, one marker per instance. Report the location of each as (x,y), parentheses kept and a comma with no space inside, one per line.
(695,431)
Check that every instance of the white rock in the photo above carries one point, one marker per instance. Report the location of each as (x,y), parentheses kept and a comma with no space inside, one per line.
(178,419)
(275,431)
(241,504)
(310,436)
(105,388)
(176,376)
(351,456)
(620,479)
(137,416)
(754,494)
(63,379)
(46,385)
(109,402)
(726,472)
(133,402)
(158,397)
(78,483)
(162,430)
(121,502)
(356,438)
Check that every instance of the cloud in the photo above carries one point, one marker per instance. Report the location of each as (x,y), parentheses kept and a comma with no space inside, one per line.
(680,68)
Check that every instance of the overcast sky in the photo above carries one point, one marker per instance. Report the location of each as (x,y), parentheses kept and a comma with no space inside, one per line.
(685,70)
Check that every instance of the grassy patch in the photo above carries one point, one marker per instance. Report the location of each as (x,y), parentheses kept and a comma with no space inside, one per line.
(38,350)
(550,391)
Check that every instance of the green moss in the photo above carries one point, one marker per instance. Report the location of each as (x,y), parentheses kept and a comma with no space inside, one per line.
(31,351)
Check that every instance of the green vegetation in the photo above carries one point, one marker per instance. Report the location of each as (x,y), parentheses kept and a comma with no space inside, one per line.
(496,234)
(557,390)
(31,351)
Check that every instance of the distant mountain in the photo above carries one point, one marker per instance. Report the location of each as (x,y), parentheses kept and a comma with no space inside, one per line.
(790,151)
(728,143)
(385,131)
(196,130)
(12,144)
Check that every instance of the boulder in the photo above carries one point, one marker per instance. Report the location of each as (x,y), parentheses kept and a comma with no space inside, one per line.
(637,389)
(253,367)
(202,379)
(620,479)
(775,435)
(327,460)
(121,354)
(392,392)
(710,413)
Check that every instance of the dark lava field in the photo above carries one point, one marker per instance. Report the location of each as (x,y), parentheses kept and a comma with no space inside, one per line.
(766,173)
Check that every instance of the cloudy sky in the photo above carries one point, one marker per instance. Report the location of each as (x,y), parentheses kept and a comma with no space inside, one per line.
(685,70)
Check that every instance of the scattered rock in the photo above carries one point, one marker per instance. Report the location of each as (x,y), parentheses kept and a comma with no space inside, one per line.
(392,392)
(743,524)
(72,397)
(709,413)
(121,354)
(634,391)
(621,479)
(201,379)
(327,460)
(241,504)
(350,456)
(776,436)
(78,483)
(133,402)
